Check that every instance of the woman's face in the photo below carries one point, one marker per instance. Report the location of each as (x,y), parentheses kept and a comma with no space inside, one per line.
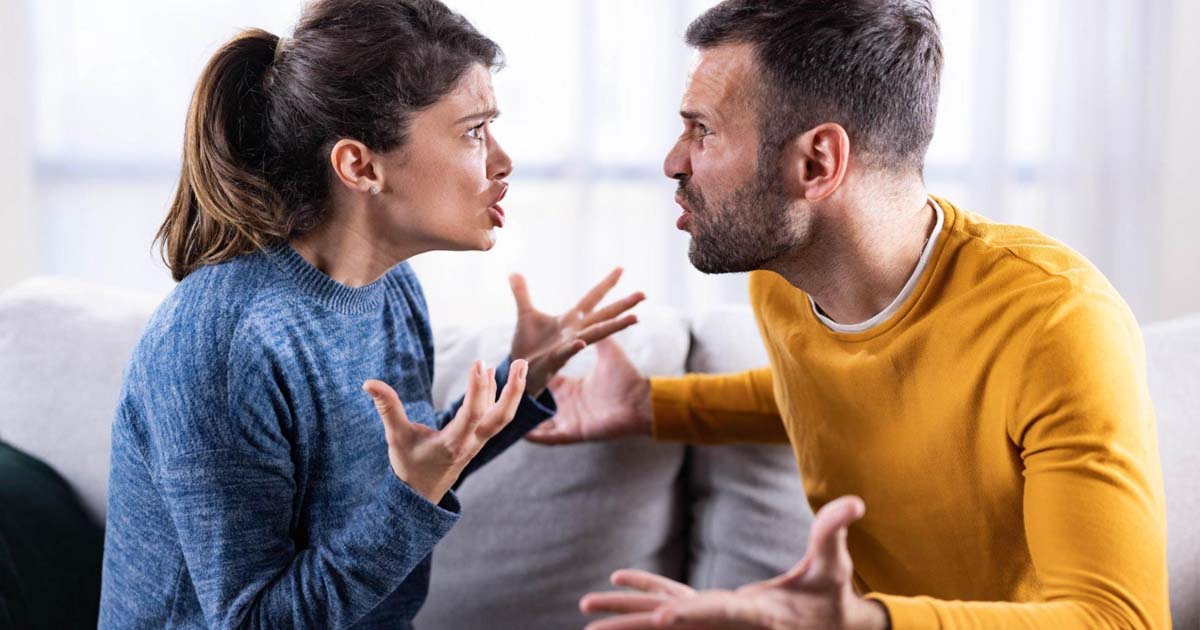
(443,188)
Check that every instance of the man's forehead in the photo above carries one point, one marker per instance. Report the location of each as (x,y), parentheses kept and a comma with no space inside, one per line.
(719,78)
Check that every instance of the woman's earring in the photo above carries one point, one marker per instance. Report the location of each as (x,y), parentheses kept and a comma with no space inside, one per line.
(374,190)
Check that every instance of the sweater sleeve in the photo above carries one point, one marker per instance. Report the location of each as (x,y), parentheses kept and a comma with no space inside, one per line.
(717,408)
(530,413)
(1082,424)
(232,498)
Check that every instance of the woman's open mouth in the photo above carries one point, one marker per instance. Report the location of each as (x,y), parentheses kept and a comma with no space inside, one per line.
(495,211)
(497,214)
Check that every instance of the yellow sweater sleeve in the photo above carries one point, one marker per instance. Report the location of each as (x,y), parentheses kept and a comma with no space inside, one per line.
(1082,424)
(717,408)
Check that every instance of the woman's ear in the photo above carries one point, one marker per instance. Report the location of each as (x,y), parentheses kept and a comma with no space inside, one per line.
(816,161)
(356,166)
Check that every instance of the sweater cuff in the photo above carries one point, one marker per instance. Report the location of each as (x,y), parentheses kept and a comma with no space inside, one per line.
(671,409)
(908,613)
(407,506)
(532,411)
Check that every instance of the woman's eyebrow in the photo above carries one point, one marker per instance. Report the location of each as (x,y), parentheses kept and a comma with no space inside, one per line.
(488,115)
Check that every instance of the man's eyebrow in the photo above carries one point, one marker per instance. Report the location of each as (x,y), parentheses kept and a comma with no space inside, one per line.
(688,114)
(484,115)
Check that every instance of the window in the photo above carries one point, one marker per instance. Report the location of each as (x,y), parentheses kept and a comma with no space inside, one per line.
(589,98)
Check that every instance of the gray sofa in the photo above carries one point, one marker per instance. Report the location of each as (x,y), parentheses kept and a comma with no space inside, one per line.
(544,525)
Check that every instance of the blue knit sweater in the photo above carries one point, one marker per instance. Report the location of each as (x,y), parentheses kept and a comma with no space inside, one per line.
(250,484)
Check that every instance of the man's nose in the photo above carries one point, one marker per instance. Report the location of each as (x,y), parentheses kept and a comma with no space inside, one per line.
(677,164)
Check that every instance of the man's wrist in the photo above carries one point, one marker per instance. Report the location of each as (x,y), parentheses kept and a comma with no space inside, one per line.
(645,410)
(872,615)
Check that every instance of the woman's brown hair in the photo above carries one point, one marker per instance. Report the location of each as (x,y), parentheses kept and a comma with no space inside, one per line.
(266,113)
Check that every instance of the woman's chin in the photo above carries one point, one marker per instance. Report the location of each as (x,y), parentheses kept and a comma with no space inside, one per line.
(489,240)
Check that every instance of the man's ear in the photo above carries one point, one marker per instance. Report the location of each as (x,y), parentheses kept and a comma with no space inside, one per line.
(816,161)
(356,166)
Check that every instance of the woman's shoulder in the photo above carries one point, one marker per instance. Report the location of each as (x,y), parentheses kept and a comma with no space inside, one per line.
(203,314)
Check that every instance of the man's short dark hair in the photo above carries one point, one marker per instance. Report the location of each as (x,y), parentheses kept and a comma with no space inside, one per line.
(872,66)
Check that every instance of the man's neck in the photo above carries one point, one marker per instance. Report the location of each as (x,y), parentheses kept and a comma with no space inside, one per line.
(860,257)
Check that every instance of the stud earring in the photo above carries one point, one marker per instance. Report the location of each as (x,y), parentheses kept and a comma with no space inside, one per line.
(374,190)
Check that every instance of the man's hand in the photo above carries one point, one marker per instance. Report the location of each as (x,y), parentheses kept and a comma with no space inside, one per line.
(548,342)
(430,461)
(815,594)
(612,401)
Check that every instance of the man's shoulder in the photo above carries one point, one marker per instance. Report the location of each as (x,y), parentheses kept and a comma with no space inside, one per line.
(1020,256)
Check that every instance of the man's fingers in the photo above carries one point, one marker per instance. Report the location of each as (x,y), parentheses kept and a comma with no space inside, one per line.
(796,572)
(605,329)
(549,433)
(391,411)
(502,412)
(614,309)
(717,609)
(597,293)
(650,583)
(620,602)
(607,349)
(556,382)
(635,621)
(520,290)
(827,540)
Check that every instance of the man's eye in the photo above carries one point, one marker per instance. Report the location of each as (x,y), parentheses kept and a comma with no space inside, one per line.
(476,132)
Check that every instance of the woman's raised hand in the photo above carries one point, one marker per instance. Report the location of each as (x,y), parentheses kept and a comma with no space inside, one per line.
(549,341)
(430,461)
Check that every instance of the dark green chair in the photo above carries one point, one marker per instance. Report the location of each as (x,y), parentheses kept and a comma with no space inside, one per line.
(50,551)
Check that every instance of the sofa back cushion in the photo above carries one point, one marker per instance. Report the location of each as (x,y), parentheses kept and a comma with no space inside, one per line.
(543,525)
(750,519)
(63,349)
(1173,366)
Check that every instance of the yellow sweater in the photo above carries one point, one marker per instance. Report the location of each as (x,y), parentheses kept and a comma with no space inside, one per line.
(998,426)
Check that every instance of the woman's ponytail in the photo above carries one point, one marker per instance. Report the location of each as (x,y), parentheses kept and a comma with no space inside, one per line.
(224,205)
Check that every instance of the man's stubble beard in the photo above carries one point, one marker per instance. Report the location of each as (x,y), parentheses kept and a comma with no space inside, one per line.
(747,230)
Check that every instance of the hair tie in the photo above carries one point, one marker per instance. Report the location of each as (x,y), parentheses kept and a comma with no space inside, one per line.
(279,46)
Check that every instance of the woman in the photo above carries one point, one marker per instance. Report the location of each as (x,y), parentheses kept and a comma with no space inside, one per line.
(252,483)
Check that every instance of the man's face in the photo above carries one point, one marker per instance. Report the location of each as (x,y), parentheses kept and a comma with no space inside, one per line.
(734,201)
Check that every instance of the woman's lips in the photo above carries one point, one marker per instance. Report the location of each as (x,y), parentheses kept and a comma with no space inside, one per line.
(495,211)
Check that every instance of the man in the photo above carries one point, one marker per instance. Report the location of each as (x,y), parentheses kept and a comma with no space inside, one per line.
(979,386)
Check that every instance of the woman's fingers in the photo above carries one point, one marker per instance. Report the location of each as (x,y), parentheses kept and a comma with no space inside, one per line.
(614,309)
(475,403)
(596,332)
(502,412)
(520,290)
(489,386)
(477,399)
(650,583)
(563,353)
(396,426)
(597,293)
